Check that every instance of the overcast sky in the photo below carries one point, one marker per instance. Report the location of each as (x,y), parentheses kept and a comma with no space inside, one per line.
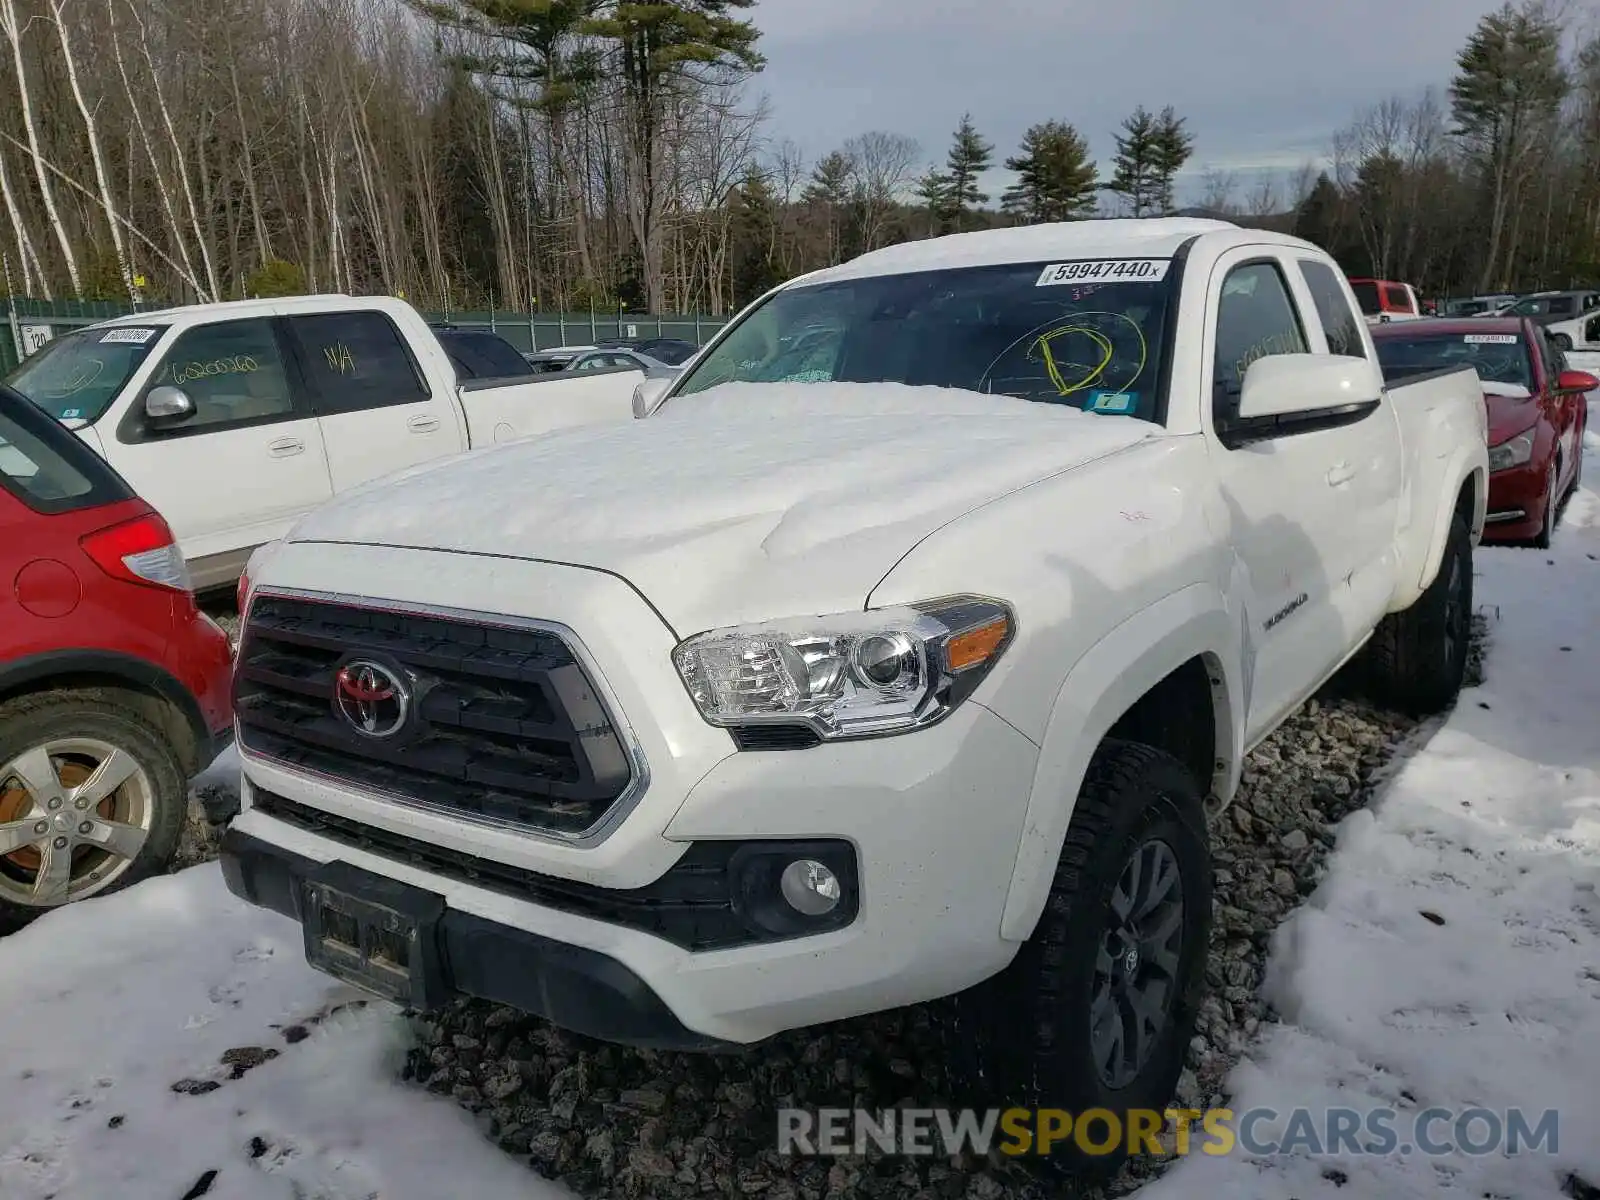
(1263,84)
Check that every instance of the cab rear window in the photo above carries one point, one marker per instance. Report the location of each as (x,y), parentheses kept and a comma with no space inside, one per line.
(46,467)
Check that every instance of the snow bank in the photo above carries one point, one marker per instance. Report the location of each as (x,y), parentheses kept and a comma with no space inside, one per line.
(110,1003)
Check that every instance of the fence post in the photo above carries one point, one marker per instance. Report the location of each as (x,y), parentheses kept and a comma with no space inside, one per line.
(491,312)
(594,330)
(11,301)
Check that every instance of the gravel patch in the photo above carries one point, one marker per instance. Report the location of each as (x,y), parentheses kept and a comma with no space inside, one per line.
(614,1122)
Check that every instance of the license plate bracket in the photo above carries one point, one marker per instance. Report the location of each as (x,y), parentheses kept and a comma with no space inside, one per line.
(376,933)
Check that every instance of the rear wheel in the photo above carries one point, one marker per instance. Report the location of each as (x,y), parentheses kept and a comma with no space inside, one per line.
(1417,659)
(1097,1009)
(92,798)
(1562,342)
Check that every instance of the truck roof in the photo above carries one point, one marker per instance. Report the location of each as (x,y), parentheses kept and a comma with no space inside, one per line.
(249,308)
(1147,237)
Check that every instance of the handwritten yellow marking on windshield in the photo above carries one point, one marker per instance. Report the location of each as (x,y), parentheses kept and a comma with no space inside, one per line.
(1102,343)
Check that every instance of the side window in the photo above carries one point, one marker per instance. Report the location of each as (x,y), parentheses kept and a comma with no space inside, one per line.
(356,361)
(1563,306)
(1339,321)
(1555,359)
(234,373)
(1255,318)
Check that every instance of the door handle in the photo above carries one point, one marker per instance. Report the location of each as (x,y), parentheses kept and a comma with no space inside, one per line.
(1340,474)
(284,447)
(422,424)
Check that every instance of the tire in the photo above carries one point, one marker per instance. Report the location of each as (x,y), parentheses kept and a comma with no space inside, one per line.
(1417,659)
(1025,1037)
(1552,507)
(1562,342)
(128,835)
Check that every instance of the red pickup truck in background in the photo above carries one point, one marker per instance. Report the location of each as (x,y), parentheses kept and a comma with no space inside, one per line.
(1384,300)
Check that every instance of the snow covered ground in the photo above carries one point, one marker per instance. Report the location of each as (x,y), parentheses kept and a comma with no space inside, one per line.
(1452,956)
(170,1042)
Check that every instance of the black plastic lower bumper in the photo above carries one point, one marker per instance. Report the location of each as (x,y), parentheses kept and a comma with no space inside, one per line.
(461,954)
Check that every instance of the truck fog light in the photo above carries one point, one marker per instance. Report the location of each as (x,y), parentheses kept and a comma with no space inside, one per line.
(809,887)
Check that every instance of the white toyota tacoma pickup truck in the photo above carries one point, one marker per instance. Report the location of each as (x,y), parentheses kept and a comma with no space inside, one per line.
(236,419)
(901,652)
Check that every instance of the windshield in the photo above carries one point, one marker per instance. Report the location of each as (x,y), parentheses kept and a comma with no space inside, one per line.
(1498,357)
(76,376)
(1085,334)
(1367,296)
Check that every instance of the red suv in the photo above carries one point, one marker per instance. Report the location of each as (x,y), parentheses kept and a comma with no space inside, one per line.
(113,685)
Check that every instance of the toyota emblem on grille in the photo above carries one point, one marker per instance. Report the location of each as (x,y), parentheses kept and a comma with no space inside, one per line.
(372,698)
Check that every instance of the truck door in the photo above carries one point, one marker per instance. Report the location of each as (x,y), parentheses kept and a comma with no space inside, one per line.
(375,406)
(1365,476)
(1281,493)
(242,467)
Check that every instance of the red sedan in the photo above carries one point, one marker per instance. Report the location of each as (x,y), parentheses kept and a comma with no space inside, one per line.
(1536,407)
(114,687)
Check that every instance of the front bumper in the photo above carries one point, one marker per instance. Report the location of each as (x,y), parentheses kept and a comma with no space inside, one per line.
(1517,501)
(570,986)
(934,818)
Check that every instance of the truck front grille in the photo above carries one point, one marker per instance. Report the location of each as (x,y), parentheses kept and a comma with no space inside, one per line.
(495,722)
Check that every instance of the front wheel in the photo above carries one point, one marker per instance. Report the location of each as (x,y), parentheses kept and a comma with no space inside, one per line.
(1417,659)
(1097,1009)
(92,798)
(1552,506)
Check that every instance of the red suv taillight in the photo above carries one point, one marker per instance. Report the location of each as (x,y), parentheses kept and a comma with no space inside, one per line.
(140,551)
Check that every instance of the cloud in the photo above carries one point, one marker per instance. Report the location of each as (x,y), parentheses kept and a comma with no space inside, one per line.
(1263,84)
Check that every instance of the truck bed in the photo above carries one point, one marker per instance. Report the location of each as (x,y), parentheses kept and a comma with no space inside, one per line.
(502,410)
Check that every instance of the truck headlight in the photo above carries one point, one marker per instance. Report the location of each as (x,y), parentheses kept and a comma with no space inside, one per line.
(1512,452)
(853,675)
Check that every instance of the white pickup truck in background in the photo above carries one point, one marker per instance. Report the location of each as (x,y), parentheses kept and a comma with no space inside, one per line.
(913,637)
(235,419)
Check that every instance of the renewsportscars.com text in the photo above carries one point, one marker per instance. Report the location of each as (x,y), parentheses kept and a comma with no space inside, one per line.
(1261,1132)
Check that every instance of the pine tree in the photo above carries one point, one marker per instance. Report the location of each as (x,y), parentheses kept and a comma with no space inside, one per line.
(933,190)
(830,187)
(1056,179)
(755,235)
(1171,148)
(1132,174)
(1317,220)
(1506,100)
(969,157)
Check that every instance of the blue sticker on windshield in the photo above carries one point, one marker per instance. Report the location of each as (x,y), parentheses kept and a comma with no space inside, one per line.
(69,414)
(1113,402)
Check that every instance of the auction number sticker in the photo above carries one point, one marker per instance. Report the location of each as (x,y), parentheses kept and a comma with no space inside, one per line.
(136,336)
(1490,339)
(1106,270)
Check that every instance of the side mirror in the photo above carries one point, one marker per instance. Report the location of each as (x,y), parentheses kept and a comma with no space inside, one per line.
(1282,385)
(648,395)
(1576,381)
(168,404)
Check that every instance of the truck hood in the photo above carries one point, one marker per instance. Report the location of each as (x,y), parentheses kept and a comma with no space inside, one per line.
(747,502)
